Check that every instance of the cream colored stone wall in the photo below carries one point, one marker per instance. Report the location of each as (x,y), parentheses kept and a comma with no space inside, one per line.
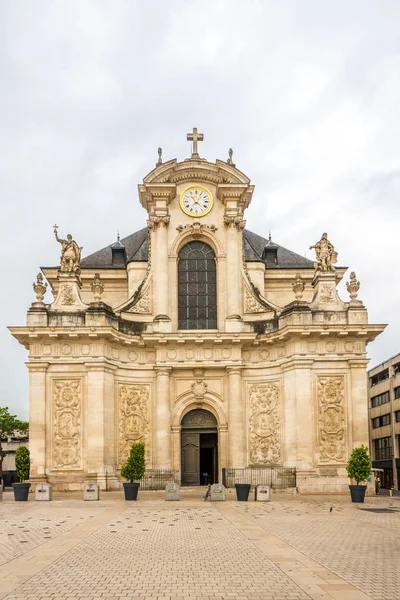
(294,395)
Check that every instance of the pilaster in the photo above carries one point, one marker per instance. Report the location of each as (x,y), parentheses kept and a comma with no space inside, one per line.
(359,402)
(236,420)
(37,420)
(162,430)
(100,424)
(299,414)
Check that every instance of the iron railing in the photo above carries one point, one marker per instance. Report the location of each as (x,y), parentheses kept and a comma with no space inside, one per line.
(278,478)
(157,479)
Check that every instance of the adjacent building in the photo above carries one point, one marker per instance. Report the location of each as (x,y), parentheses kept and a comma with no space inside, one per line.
(10,446)
(384,420)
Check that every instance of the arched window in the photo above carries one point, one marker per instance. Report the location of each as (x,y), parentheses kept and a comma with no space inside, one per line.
(197,287)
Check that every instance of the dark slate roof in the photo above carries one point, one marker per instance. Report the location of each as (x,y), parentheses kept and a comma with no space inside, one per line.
(286,259)
(137,249)
(136,246)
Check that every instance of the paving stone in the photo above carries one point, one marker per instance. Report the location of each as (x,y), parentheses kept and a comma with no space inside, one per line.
(289,549)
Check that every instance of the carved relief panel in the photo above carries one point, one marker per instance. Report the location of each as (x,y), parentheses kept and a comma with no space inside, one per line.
(331,419)
(133,418)
(264,423)
(67,425)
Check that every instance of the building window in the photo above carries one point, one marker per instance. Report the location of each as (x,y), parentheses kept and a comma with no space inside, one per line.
(397,392)
(396,368)
(381,421)
(380,377)
(397,413)
(383,448)
(197,287)
(380,399)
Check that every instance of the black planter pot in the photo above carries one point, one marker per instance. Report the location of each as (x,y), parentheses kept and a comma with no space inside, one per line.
(131,490)
(357,492)
(21,491)
(242,491)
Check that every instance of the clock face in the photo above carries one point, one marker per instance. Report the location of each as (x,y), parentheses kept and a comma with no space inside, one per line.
(196,201)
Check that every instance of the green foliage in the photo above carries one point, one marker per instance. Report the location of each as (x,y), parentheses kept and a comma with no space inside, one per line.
(9,424)
(359,466)
(22,463)
(135,467)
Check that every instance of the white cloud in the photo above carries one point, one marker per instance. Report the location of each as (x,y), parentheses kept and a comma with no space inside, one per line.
(307,94)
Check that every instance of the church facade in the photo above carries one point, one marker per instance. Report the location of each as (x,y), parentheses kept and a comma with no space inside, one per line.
(213,345)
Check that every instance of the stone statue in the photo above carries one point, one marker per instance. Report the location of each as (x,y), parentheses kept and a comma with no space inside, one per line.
(353,286)
(325,253)
(70,253)
(39,288)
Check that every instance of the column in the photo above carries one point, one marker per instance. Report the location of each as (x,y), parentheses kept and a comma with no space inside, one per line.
(100,439)
(37,420)
(162,424)
(233,269)
(160,238)
(236,419)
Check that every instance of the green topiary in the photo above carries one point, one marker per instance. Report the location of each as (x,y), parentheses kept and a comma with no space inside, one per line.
(22,463)
(359,465)
(135,467)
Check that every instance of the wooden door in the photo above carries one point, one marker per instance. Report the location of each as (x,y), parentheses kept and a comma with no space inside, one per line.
(190,458)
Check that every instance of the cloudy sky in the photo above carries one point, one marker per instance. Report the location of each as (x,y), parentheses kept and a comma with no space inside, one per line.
(307,93)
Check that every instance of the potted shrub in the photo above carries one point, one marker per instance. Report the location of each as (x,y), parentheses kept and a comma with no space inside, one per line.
(242,491)
(22,466)
(134,470)
(359,468)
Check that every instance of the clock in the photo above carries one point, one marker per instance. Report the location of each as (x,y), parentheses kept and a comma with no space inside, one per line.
(196,201)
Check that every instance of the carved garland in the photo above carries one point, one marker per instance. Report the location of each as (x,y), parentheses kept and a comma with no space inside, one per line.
(331,419)
(133,418)
(67,434)
(264,424)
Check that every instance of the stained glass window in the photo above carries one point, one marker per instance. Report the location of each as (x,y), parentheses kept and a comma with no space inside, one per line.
(197,287)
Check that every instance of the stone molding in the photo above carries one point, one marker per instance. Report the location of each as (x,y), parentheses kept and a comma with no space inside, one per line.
(67,423)
(331,418)
(133,417)
(264,423)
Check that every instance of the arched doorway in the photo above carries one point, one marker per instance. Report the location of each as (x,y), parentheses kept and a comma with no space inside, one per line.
(199,448)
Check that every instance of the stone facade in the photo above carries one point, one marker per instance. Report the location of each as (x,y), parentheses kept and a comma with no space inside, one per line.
(283,371)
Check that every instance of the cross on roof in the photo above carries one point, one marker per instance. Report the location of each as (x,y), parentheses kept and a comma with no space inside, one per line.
(195,137)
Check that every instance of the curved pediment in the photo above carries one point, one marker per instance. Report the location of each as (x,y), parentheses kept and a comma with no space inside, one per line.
(196,170)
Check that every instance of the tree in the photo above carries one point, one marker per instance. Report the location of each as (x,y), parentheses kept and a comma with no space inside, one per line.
(9,425)
(135,467)
(359,464)
(22,463)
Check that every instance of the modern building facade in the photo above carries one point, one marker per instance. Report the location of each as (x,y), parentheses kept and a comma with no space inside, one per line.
(384,420)
(215,346)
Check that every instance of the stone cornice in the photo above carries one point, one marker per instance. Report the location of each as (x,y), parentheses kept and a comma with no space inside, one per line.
(29,335)
(40,367)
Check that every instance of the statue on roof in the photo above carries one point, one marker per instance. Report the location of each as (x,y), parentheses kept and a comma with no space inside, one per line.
(325,254)
(70,253)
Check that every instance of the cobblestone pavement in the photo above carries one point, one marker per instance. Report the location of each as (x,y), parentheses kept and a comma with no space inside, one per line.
(192,550)
(355,542)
